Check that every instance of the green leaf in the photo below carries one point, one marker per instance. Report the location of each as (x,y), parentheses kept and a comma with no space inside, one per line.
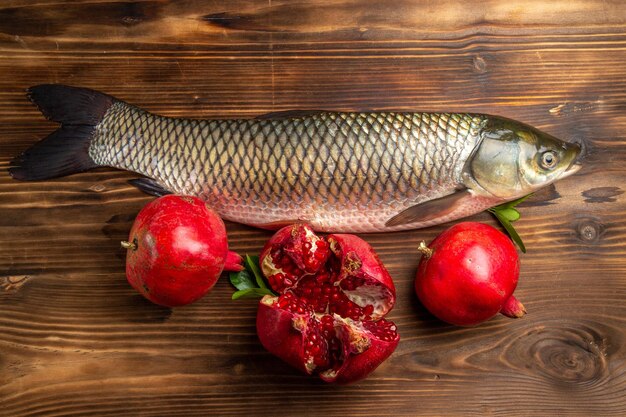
(242,280)
(509,213)
(252,265)
(506,213)
(249,282)
(510,230)
(251,293)
(514,203)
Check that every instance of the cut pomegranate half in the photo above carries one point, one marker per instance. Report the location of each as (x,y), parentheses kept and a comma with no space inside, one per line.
(328,319)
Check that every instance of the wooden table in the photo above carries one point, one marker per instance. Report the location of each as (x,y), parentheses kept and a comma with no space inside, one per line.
(75,339)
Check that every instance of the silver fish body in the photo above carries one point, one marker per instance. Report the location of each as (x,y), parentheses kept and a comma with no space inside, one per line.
(337,171)
(341,172)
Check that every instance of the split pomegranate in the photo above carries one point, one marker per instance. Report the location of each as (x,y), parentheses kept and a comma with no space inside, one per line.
(177,250)
(334,292)
(468,274)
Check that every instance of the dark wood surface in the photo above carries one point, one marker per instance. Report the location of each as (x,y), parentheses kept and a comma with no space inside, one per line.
(76,340)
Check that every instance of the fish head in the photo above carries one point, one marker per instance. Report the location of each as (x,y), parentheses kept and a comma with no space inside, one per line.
(514,159)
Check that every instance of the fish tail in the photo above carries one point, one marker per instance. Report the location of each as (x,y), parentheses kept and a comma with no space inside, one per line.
(66,150)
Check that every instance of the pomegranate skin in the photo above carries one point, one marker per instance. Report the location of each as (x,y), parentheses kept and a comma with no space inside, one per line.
(276,331)
(369,262)
(294,328)
(178,251)
(282,333)
(470,275)
(361,364)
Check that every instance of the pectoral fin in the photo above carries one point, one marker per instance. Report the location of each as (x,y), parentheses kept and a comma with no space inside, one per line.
(429,210)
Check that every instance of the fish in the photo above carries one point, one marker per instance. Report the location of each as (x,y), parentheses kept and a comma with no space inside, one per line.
(357,172)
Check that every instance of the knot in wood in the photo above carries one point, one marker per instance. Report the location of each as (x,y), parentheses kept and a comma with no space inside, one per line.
(566,354)
(589,230)
(480,66)
(98,188)
(570,356)
(13,283)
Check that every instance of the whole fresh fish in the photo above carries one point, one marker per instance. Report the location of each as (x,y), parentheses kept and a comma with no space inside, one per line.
(341,172)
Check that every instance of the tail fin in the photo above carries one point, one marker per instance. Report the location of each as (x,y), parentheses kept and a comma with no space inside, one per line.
(66,150)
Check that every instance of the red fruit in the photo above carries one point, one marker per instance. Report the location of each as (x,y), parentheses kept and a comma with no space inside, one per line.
(328,319)
(177,250)
(468,274)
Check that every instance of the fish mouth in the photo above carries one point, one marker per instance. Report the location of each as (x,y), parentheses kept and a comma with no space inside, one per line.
(573,167)
(576,153)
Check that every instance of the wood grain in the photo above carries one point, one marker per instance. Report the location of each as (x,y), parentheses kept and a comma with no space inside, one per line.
(76,340)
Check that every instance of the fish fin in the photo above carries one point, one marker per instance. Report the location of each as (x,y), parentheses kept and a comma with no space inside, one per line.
(63,152)
(150,186)
(288,114)
(66,150)
(70,105)
(428,210)
(279,224)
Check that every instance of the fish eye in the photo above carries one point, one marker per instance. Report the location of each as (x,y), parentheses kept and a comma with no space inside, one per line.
(548,160)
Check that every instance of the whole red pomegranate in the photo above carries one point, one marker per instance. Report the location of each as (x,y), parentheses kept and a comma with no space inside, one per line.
(177,250)
(328,319)
(468,274)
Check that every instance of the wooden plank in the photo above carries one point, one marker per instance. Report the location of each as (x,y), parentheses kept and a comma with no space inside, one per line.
(76,340)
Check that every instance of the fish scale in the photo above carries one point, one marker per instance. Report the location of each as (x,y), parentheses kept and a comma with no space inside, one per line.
(339,171)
